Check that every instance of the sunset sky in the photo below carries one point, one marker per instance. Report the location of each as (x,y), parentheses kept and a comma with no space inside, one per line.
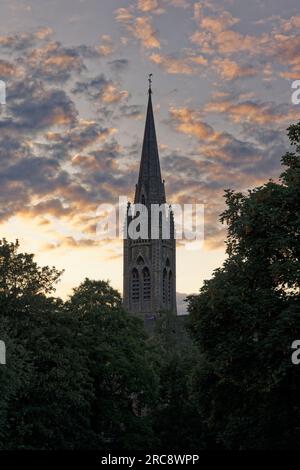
(71,130)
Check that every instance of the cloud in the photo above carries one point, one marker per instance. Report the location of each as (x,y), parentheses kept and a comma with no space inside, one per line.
(112,95)
(36,108)
(104,160)
(54,164)
(131,111)
(231,70)
(290,24)
(147,5)
(216,37)
(144,31)
(150,6)
(106,48)
(49,207)
(254,111)
(119,65)
(285,48)
(102,89)
(178,3)
(172,65)
(221,22)
(76,139)
(59,156)
(71,242)
(218,163)
(123,15)
(189,122)
(55,62)
(140,27)
(49,60)
(8,70)
(22,41)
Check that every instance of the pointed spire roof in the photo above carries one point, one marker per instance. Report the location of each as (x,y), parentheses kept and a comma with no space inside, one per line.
(150,187)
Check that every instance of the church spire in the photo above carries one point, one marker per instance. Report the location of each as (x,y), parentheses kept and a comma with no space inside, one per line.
(150,187)
(149,261)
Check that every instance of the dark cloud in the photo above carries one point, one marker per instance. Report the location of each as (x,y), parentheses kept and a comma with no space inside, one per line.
(33,107)
(131,111)
(93,87)
(8,69)
(55,63)
(119,65)
(52,206)
(37,174)
(62,144)
(101,173)
(18,42)
(57,161)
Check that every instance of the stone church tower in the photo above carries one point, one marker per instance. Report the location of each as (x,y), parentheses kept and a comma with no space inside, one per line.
(150,263)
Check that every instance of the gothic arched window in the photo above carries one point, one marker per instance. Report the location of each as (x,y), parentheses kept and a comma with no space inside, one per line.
(170,287)
(135,285)
(146,284)
(164,286)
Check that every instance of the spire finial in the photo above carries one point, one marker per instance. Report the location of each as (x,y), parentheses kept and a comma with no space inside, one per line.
(150,83)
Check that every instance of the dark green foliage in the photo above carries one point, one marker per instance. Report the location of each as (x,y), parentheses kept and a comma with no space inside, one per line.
(247,316)
(76,374)
(123,382)
(176,422)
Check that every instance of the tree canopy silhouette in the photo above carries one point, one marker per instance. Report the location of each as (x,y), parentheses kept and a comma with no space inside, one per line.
(246,317)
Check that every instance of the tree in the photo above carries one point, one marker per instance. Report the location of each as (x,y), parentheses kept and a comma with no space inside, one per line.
(77,375)
(247,316)
(20,276)
(176,422)
(45,386)
(124,382)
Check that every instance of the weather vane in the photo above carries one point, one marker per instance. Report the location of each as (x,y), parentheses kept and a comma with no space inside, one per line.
(150,82)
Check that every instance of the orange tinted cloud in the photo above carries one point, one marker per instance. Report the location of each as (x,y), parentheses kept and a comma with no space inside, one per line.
(143,30)
(147,5)
(44,33)
(111,94)
(255,112)
(7,69)
(231,70)
(218,23)
(216,36)
(189,64)
(140,27)
(150,6)
(291,23)
(123,15)
(172,65)
(189,122)
(54,61)
(105,49)
(94,163)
